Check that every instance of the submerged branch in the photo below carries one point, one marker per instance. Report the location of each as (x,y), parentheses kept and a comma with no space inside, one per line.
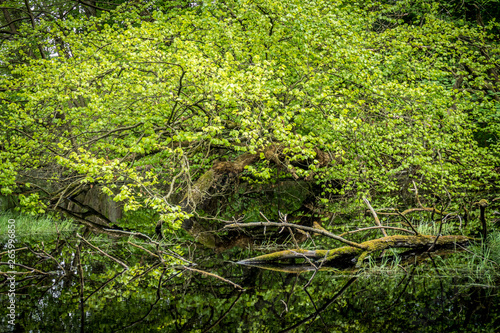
(324,307)
(101,251)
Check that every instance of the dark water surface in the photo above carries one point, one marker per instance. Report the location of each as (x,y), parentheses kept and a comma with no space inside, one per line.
(217,295)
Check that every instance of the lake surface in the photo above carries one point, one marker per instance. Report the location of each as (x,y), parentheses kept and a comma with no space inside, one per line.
(83,290)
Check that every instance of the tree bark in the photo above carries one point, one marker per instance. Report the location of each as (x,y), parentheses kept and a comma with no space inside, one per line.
(349,255)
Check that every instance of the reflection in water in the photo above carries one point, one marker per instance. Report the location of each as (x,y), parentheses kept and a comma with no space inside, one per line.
(154,294)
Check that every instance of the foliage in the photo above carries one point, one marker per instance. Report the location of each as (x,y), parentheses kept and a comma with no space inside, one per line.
(144,99)
(214,111)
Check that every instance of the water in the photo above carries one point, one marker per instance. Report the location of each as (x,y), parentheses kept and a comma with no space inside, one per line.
(99,295)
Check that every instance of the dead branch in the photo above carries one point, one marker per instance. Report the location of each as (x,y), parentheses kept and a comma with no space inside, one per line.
(350,253)
(101,251)
(26,267)
(374,215)
(224,315)
(19,249)
(104,285)
(146,250)
(408,222)
(291,225)
(411,210)
(416,194)
(323,308)
(213,275)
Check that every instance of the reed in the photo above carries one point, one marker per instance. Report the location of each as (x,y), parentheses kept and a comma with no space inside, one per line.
(34,228)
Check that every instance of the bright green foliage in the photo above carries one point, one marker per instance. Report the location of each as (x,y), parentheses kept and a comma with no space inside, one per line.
(170,90)
(139,99)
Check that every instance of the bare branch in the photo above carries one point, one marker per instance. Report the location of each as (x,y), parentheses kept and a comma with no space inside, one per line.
(93,6)
(224,315)
(101,251)
(323,308)
(111,132)
(416,194)
(291,225)
(146,250)
(26,267)
(213,275)
(374,215)
(407,221)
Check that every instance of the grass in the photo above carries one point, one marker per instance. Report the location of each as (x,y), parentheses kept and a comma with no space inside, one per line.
(33,228)
(476,265)
(432,228)
(480,262)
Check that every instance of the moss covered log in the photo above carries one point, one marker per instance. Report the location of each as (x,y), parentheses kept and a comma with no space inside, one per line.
(349,256)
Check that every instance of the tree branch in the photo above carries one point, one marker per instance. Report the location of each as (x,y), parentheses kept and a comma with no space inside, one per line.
(374,215)
(296,226)
(101,251)
(213,275)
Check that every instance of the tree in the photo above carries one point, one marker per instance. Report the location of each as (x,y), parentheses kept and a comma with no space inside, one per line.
(141,118)
(185,109)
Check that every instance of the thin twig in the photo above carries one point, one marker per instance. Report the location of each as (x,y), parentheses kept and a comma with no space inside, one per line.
(158,297)
(82,287)
(416,194)
(408,221)
(315,307)
(404,289)
(146,272)
(19,249)
(151,253)
(306,258)
(324,307)
(316,268)
(58,264)
(411,210)
(482,257)
(25,267)
(438,235)
(224,315)
(293,237)
(104,285)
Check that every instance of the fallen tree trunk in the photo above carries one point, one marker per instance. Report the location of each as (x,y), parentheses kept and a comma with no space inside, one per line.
(348,256)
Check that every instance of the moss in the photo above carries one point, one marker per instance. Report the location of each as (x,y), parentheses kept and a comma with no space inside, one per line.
(349,252)
(342,252)
(361,258)
(411,241)
(200,188)
(295,269)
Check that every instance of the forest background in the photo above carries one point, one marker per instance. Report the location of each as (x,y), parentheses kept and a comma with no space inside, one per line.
(161,127)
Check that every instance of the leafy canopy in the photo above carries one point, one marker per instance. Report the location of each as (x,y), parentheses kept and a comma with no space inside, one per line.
(144,99)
